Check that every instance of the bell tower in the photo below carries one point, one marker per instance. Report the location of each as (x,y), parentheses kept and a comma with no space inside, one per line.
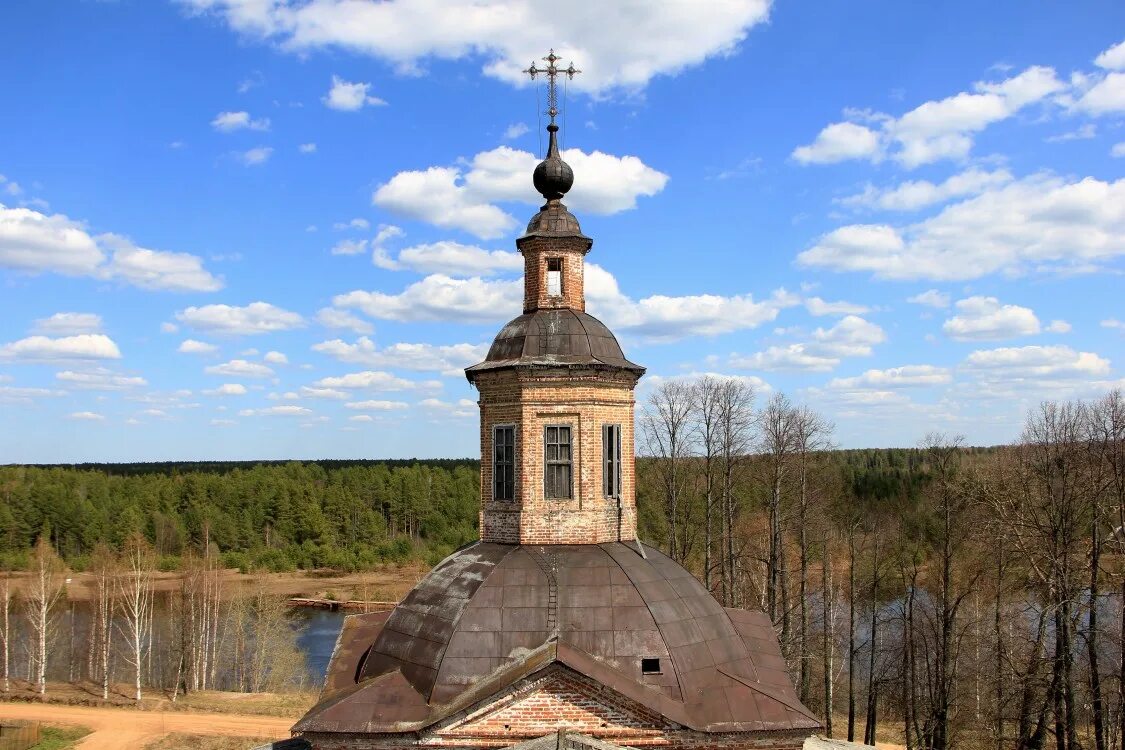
(556,391)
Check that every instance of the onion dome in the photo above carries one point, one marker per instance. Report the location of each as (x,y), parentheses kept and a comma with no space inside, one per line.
(553,177)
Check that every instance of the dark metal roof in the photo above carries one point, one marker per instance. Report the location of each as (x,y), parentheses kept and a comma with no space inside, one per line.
(554,220)
(492,614)
(555,338)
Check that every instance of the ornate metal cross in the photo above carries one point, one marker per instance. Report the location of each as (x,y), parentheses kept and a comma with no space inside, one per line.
(551,72)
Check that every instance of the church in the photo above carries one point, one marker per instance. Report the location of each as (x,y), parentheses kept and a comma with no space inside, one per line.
(559,627)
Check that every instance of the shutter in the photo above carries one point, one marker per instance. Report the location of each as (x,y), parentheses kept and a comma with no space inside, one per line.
(607,453)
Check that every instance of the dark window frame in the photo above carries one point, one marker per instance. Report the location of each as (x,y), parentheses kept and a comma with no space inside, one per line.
(612,439)
(556,467)
(506,484)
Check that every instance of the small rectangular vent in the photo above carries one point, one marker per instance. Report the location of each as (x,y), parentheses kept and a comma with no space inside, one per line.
(650,666)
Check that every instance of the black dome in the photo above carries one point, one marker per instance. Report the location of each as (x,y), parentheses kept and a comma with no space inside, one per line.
(555,338)
(553,177)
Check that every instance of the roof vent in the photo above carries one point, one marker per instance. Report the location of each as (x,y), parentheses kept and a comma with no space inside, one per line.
(650,666)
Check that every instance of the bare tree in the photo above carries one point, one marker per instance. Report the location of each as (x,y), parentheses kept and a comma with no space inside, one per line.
(135,595)
(666,425)
(778,435)
(104,567)
(736,436)
(6,596)
(45,587)
(706,405)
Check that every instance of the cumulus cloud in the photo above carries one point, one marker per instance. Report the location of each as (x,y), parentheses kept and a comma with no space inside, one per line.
(330,317)
(227,389)
(422,357)
(1041,223)
(349,247)
(907,376)
(87,416)
(255,318)
(984,318)
(307,148)
(254,156)
(931,298)
(326,393)
(464,197)
(240,368)
(1037,361)
(68,324)
(515,130)
(852,336)
(1112,58)
(439,297)
(86,346)
(817,306)
(451,258)
(13,394)
(275,358)
(357,223)
(227,122)
(374,380)
(935,130)
(286,410)
(913,195)
(100,379)
(616,49)
(36,242)
(376,405)
(1118,150)
(346,96)
(191,346)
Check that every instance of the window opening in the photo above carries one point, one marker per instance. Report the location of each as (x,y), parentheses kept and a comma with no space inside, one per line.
(554,277)
(611,460)
(557,461)
(504,462)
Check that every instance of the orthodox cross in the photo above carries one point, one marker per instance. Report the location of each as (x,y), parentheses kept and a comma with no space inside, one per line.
(551,71)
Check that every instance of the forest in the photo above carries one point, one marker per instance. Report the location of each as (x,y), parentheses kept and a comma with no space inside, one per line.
(941,596)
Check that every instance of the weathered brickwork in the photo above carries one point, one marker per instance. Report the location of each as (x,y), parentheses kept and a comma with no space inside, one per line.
(585,400)
(571,251)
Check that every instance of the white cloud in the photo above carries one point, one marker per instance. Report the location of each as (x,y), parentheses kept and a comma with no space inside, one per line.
(87,416)
(1058,326)
(439,297)
(68,324)
(35,242)
(615,48)
(240,368)
(227,122)
(840,141)
(376,405)
(255,318)
(1036,362)
(287,410)
(1083,132)
(339,319)
(361,418)
(222,422)
(912,195)
(100,379)
(85,346)
(931,298)
(817,306)
(1118,150)
(11,394)
(907,376)
(1113,58)
(1113,323)
(984,318)
(348,97)
(422,357)
(227,389)
(253,157)
(327,393)
(515,130)
(373,380)
(356,223)
(456,198)
(307,148)
(451,258)
(935,130)
(349,247)
(191,346)
(276,358)
(852,336)
(167,327)
(1041,223)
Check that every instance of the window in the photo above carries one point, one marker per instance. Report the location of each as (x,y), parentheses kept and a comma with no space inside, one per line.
(554,277)
(557,461)
(611,460)
(650,666)
(504,462)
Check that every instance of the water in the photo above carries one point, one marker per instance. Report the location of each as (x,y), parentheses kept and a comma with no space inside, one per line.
(317,630)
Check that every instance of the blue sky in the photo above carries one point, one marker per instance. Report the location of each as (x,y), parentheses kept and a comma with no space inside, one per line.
(277,229)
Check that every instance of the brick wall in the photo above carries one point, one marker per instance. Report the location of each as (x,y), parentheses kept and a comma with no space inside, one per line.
(584,400)
(571,251)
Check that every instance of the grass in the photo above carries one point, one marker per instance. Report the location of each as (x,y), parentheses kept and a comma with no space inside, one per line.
(178,741)
(60,737)
(287,705)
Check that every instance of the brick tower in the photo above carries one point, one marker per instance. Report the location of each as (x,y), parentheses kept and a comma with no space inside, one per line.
(558,630)
(556,396)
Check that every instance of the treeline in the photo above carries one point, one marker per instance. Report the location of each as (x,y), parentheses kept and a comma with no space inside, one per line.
(969,598)
(280,516)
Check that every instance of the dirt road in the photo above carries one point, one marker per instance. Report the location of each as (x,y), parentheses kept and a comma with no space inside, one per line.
(115,728)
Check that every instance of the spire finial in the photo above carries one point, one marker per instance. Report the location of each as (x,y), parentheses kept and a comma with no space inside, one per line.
(553,177)
(552,71)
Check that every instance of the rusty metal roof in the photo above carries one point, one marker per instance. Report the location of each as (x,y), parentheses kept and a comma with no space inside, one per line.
(492,614)
(555,338)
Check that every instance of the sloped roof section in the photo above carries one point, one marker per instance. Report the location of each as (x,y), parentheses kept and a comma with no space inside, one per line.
(491,615)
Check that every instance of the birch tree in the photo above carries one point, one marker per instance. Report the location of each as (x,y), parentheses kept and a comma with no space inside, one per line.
(45,588)
(135,597)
